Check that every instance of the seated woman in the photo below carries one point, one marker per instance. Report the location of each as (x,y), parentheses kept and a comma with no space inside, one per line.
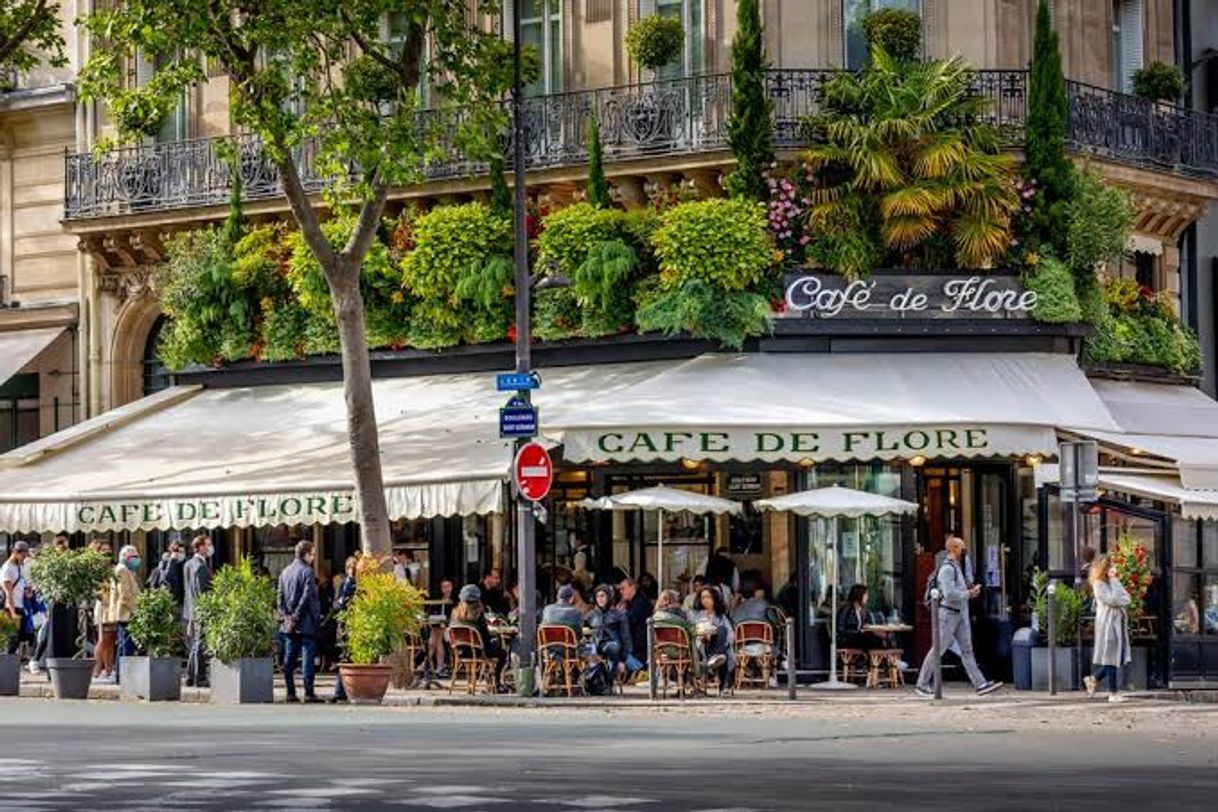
(851,618)
(470,612)
(438,635)
(715,632)
(668,612)
(611,637)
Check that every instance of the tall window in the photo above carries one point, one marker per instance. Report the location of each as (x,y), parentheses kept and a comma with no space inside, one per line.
(689,12)
(853,13)
(19,417)
(1126,43)
(175,126)
(541,27)
(393,32)
(155,376)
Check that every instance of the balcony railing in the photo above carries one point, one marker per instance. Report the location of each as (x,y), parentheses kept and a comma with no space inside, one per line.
(671,118)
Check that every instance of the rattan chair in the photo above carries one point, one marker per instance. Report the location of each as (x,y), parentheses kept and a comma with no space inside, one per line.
(754,653)
(673,658)
(558,648)
(469,660)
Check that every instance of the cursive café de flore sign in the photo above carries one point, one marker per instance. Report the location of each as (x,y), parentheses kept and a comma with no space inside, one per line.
(887,295)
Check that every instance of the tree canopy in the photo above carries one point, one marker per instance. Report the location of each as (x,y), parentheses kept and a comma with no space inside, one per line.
(30,35)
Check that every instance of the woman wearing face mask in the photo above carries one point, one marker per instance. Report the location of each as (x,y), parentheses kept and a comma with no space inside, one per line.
(122,602)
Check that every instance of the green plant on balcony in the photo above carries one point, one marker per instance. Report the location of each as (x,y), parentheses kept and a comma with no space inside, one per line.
(750,129)
(1138,326)
(1098,220)
(1056,301)
(457,276)
(598,184)
(655,41)
(905,170)
(1159,81)
(1046,166)
(897,31)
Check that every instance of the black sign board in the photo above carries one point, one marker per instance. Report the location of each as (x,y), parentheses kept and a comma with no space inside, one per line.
(744,485)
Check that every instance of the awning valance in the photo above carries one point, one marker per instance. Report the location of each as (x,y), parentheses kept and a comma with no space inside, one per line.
(190,458)
(1166,488)
(20,347)
(1176,423)
(817,406)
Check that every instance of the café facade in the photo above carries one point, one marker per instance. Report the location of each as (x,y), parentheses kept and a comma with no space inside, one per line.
(926,388)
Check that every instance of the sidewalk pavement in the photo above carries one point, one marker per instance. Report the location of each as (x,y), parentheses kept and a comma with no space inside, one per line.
(635,696)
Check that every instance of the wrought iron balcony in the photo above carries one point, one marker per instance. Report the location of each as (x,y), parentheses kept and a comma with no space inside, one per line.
(672,118)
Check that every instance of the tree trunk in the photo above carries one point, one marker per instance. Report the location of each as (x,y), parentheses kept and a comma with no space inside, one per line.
(362,432)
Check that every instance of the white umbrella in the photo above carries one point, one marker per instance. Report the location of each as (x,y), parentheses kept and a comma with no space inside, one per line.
(835,502)
(661,498)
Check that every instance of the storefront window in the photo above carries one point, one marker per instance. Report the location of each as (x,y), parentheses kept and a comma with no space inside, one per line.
(1186,603)
(1209,593)
(1183,542)
(1209,544)
(415,536)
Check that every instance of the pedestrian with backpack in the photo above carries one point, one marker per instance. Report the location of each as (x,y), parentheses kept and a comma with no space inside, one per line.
(954,623)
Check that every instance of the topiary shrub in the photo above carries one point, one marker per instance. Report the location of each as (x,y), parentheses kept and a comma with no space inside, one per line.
(598,184)
(238,614)
(898,31)
(1159,81)
(722,242)
(154,624)
(1056,302)
(703,310)
(655,41)
(383,611)
(568,234)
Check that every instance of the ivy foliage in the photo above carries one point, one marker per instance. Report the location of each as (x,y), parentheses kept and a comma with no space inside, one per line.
(1056,301)
(699,308)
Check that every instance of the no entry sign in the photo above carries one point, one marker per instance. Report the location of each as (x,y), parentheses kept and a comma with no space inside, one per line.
(533,471)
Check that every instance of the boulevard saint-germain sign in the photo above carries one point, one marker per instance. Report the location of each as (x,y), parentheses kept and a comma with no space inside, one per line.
(887,295)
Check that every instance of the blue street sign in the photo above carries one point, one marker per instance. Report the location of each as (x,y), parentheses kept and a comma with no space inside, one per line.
(518,419)
(517,381)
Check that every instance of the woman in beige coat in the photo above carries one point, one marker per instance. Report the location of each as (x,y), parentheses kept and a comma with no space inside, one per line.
(103,650)
(122,602)
(1111,651)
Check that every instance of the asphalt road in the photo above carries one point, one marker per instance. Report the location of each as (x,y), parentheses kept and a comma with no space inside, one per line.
(106,755)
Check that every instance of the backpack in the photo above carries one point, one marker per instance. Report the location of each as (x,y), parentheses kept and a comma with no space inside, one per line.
(596,679)
(932,583)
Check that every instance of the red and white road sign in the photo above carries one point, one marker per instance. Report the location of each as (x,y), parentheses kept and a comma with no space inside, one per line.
(533,471)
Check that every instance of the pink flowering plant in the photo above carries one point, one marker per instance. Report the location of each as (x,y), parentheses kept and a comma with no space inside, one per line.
(786,214)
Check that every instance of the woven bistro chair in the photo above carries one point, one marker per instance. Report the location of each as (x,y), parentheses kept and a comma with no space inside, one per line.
(754,653)
(673,658)
(558,648)
(469,660)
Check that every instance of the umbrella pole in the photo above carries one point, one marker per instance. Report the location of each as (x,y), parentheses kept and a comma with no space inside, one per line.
(660,554)
(833,609)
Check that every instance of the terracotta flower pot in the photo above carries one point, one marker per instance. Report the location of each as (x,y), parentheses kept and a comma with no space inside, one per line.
(365,684)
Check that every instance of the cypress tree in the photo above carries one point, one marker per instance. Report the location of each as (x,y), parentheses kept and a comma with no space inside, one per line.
(598,184)
(750,128)
(1045,138)
(501,195)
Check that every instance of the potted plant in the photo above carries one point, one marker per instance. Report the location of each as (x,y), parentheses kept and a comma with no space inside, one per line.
(383,611)
(239,627)
(157,675)
(1068,613)
(1159,82)
(655,41)
(10,664)
(1132,562)
(69,579)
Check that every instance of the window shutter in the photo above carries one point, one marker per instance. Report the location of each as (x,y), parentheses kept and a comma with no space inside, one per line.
(646,8)
(144,69)
(509,16)
(1131,41)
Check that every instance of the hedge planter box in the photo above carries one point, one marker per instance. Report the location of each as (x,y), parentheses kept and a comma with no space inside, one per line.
(365,684)
(70,679)
(244,681)
(151,679)
(1066,674)
(10,675)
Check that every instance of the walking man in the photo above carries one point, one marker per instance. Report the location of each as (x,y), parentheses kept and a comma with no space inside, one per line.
(15,586)
(299,620)
(954,625)
(196,579)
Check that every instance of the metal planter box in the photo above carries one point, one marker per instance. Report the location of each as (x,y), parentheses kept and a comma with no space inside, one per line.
(151,679)
(1066,677)
(244,681)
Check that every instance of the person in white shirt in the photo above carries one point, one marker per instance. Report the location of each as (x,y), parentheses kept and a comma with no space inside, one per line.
(15,584)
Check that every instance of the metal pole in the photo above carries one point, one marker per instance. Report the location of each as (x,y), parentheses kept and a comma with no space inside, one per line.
(526,562)
(651,664)
(936,597)
(1052,632)
(791,658)
(833,610)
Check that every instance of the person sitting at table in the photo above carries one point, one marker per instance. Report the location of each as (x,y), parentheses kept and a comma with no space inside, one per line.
(470,612)
(637,608)
(612,638)
(436,642)
(852,617)
(715,633)
(563,612)
(669,613)
(754,606)
(691,598)
(580,601)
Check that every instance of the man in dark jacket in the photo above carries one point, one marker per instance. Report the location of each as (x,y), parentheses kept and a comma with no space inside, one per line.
(611,635)
(637,607)
(196,579)
(173,577)
(299,620)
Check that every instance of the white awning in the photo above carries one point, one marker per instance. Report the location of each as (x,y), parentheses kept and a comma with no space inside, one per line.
(254,456)
(1167,488)
(817,406)
(20,347)
(1176,423)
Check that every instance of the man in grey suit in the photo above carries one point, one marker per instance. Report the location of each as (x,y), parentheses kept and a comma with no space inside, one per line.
(196,577)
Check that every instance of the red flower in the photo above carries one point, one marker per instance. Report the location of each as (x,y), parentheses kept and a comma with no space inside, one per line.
(511,334)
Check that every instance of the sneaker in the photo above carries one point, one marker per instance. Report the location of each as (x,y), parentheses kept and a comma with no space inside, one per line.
(34,668)
(902,665)
(989,688)
(1089,684)
(1117,698)
(924,693)
(716,661)
(104,679)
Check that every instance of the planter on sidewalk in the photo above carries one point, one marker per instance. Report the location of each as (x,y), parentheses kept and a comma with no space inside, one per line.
(1066,677)
(365,684)
(10,675)
(246,680)
(152,679)
(70,679)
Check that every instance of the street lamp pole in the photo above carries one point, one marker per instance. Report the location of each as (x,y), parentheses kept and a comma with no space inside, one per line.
(526,560)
